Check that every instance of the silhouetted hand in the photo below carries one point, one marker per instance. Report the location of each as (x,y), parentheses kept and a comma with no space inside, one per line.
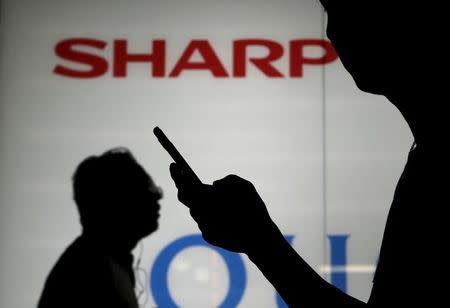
(229,213)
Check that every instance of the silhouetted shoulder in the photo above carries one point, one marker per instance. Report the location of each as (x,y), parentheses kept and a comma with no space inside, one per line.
(80,278)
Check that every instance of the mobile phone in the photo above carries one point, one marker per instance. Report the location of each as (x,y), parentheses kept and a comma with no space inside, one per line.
(176,156)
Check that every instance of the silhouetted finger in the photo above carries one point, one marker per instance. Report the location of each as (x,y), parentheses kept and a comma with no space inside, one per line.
(176,174)
(181,176)
(195,195)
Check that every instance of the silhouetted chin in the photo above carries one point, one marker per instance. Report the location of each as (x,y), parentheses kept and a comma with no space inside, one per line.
(155,227)
(368,77)
(151,226)
(368,87)
(373,84)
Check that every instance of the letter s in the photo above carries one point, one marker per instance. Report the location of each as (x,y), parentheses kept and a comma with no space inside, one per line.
(65,50)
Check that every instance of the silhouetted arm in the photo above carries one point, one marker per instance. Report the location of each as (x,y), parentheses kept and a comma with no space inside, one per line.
(230,214)
(297,283)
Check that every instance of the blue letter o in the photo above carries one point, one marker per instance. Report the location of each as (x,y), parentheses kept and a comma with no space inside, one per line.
(160,271)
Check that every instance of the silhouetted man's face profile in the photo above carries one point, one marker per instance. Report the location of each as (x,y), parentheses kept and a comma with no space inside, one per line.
(116,198)
(378,42)
(392,48)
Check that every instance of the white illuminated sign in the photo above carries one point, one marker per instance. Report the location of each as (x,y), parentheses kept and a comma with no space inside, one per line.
(248,87)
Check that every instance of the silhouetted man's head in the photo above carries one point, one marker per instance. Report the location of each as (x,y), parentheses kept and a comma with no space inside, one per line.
(384,44)
(116,197)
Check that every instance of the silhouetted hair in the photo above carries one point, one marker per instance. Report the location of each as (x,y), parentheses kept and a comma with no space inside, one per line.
(398,19)
(102,184)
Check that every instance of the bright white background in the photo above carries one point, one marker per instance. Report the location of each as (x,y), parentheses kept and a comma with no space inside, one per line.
(323,155)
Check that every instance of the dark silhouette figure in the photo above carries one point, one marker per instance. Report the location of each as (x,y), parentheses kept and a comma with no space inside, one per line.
(118,205)
(388,48)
